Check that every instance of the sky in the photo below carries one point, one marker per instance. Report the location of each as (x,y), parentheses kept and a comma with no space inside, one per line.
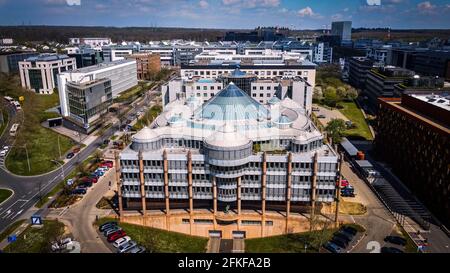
(238,14)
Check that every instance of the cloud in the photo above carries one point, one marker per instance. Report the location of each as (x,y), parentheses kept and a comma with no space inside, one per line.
(252,3)
(426,7)
(306,12)
(203,4)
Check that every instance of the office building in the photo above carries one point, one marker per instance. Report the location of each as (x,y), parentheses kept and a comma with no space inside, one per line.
(87,103)
(9,62)
(92,42)
(264,91)
(380,83)
(86,56)
(6,41)
(433,63)
(122,74)
(148,65)
(413,136)
(257,35)
(358,67)
(229,153)
(323,53)
(39,73)
(342,29)
(117,53)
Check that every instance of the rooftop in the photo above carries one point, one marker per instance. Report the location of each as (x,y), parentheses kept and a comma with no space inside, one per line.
(100,66)
(46,58)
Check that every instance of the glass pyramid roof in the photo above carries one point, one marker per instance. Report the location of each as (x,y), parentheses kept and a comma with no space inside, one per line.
(231,103)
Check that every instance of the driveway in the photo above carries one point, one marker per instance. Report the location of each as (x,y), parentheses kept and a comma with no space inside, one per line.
(80,217)
(329,114)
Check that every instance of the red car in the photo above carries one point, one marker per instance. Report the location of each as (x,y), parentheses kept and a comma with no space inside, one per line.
(108,163)
(116,235)
(344,183)
(89,180)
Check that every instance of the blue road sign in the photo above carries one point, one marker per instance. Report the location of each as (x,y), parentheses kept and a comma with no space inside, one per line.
(12,238)
(36,220)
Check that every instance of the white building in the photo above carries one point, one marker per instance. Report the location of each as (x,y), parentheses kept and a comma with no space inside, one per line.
(261,90)
(39,73)
(123,76)
(92,42)
(6,41)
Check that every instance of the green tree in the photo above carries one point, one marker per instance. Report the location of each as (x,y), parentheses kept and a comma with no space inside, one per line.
(335,129)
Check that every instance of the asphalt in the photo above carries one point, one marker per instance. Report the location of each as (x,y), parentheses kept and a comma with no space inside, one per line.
(29,189)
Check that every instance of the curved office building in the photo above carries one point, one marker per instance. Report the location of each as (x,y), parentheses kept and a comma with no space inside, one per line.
(231,152)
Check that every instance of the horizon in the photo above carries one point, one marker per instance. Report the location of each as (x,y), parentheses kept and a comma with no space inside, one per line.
(227,14)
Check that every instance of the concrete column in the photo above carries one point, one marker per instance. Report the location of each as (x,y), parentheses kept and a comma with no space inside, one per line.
(314,186)
(239,202)
(166,187)
(119,185)
(338,189)
(142,183)
(214,184)
(288,190)
(191,194)
(263,194)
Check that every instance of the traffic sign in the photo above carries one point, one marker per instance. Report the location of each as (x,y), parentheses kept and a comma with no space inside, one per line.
(36,220)
(12,238)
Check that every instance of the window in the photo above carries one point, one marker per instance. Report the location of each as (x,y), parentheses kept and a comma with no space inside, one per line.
(261,95)
(254,87)
(269,87)
(268,95)
(261,88)
(254,95)
(198,87)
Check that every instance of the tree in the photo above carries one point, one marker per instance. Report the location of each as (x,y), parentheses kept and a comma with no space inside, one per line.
(330,96)
(335,129)
(98,155)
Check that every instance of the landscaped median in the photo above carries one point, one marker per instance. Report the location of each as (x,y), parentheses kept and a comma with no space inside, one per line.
(161,241)
(37,239)
(5,194)
(34,143)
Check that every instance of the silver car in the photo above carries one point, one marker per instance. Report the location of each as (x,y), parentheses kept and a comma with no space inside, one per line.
(124,248)
(136,249)
(111,230)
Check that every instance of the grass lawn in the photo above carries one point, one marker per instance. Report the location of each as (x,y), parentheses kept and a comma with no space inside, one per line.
(349,208)
(293,243)
(41,143)
(353,113)
(5,121)
(4,194)
(161,241)
(37,240)
(10,229)
(151,114)
(410,246)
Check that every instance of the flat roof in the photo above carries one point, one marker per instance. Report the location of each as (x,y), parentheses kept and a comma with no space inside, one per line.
(364,164)
(349,147)
(100,66)
(439,100)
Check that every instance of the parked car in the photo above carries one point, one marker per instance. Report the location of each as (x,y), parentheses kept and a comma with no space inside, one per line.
(70,155)
(390,250)
(344,236)
(85,185)
(76,150)
(106,225)
(121,241)
(5,148)
(106,141)
(79,191)
(3,152)
(395,240)
(102,168)
(349,230)
(116,235)
(339,242)
(88,180)
(111,230)
(344,183)
(332,247)
(315,109)
(126,247)
(321,116)
(137,249)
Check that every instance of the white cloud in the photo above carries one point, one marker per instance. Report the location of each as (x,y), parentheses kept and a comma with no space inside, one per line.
(426,7)
(306,12)
(203,4)
(252,3)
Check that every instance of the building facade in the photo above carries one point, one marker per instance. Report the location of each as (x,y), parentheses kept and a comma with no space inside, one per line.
(417,128)
(87,102)
(39,73)
(229,153)
(9,62)
(380,83)
(358,67)
(148,65)
(122,74)
(342,29)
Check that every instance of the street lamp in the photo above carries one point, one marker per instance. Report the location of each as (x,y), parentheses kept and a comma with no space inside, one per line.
(62,167)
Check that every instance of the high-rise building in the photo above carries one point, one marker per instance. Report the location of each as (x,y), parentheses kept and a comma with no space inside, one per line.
(39,73)
(343,29)
(9,62)
(413,136)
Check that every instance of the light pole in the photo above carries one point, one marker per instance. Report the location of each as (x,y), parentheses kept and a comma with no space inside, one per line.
(62,167)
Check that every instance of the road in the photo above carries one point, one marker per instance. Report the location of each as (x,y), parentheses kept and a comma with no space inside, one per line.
(79,218)
(28,189)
